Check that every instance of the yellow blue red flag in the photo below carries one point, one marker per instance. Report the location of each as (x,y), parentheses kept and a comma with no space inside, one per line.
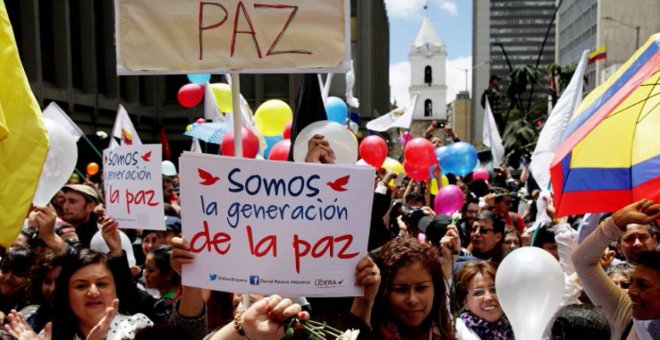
(610,151)
(23,139)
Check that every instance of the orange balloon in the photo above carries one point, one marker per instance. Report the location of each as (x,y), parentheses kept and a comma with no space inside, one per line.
(92,169)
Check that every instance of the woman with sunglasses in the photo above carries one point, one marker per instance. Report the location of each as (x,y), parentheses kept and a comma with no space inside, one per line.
(483,317)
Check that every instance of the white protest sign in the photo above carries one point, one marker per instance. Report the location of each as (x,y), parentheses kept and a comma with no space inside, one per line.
(245,36)
(133,184)
(274,227)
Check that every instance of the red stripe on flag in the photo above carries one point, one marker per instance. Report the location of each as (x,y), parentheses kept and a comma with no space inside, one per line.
(595,201)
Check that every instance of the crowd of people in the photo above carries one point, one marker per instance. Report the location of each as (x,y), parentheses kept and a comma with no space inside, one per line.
(72,274)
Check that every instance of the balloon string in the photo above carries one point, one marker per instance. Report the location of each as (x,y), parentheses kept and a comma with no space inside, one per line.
(79,173)
(93,147)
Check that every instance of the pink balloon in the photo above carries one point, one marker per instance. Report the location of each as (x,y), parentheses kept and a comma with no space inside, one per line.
(405,137)
(280,151)
(200,121)
(250,144)
(418,174)
(190,95)
(480,174)
(373,150)
(286,134)
(448,200)
(420,153)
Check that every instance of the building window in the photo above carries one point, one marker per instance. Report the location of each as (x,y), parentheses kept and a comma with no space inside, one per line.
(428,75)
(428,108)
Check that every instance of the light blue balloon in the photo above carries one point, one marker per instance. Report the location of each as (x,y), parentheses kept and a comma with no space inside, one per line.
(459,159)
(270,142)
(199,78)
(439,151)
(336,109)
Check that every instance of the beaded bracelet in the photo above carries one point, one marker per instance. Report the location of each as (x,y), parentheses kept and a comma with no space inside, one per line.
(238,324)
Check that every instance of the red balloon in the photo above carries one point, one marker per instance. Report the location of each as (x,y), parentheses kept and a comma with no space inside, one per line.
(420,153)
(280,151)
(286,134)
(373,150)
(190,95)
(200,121)
(418,174)
(250,144)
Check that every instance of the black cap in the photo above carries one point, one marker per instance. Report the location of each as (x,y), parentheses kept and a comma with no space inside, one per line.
(437,228)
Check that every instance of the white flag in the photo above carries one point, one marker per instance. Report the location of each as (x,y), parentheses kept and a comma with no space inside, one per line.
(350,83)
(211,112)
(124,130)
(247,118)
(196,147)
(550,136)
(491,137)
(54,112)
(399,118)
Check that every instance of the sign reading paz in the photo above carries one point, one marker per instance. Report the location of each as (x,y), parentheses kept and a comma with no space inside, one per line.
(219,36)
(133,186)
(274,227)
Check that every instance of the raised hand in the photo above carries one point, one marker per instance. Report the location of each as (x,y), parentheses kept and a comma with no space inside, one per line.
(265,319)
(21,330)
(181,254)
(100,331)
(319,151)
(643,211)
(111,236)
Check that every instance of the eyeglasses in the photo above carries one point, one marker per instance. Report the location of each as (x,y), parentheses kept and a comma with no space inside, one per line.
(482,230)
(481,292)
(471,211)
(511,242)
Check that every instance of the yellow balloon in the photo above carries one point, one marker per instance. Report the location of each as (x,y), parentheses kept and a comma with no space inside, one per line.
(188,127)
(392,165)
(222,93)
(434,187)
(434,184)
(272,116)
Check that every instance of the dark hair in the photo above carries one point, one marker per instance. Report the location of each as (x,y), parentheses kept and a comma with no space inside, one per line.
(414,197)
(544,235)
(19,261)
(649,258)
(161,256)
(401,252)
(577,322)
(65,323)
(47,261)
(498,223)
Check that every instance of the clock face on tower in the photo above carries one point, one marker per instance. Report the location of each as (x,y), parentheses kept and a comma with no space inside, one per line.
(426,49)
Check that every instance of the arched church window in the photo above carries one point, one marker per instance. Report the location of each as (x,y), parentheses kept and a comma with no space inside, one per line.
(428,108)
(428,75)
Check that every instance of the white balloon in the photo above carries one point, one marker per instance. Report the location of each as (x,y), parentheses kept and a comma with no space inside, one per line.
(340,138)
(530,286)
(60,162)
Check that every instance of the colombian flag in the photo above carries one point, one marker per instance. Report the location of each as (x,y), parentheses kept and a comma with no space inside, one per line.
(598,54)
(23,138)
(609,156)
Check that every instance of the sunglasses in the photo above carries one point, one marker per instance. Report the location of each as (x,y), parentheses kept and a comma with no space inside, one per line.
(482,230)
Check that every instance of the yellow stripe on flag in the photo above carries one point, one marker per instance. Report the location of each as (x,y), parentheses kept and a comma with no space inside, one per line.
(23,138)
(597,52)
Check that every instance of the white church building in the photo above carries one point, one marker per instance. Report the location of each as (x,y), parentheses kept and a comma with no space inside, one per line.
(427,74)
